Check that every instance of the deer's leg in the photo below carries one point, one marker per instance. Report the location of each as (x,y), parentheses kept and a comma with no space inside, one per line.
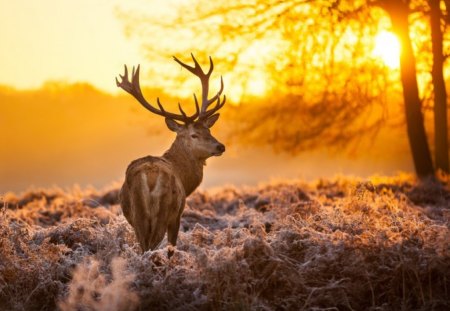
(124,199)
(142,236)
(172,231)
(172,235)
(157,235)
(173,228)
(145,214)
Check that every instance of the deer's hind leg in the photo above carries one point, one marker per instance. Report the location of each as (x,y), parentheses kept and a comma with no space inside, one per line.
(174,223)
(166,205)
(146,213)
(174,227)
(141,213)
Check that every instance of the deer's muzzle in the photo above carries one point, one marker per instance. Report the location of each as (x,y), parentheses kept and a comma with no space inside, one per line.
(220,148)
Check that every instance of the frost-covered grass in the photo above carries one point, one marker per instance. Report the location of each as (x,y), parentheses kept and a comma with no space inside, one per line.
(342,244)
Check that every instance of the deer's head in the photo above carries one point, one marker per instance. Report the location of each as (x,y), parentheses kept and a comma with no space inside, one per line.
(193,130)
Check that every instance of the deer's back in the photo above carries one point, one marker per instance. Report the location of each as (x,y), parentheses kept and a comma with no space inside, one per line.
(151,190)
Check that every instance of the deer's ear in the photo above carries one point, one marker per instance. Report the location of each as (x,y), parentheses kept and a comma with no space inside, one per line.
(173,126)
(211,120)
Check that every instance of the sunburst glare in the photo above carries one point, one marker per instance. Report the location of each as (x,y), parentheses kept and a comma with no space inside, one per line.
(387,48)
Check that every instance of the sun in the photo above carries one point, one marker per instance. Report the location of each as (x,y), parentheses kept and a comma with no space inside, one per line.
(387,48)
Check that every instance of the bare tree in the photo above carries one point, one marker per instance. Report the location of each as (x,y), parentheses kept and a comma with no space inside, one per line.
(440,93)
(324,91)
(322,79)
(399,11)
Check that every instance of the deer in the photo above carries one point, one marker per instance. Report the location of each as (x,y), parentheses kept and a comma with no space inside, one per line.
(153,195)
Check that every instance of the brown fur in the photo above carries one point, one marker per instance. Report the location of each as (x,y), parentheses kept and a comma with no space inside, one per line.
(155,188)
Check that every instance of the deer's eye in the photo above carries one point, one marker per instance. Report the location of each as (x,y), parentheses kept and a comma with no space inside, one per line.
(194,136)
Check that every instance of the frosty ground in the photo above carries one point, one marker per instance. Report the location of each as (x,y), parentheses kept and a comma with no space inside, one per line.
(336,244)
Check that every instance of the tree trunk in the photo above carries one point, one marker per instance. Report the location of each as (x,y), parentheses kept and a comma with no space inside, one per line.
(440,93)
(399,11)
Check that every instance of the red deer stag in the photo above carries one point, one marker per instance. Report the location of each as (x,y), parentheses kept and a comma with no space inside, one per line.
(155,188)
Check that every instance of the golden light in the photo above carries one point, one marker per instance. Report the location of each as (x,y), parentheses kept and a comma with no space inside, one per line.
(256,58)
(387,48)
(256,87)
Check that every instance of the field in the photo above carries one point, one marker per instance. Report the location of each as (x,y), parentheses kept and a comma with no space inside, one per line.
(336,244)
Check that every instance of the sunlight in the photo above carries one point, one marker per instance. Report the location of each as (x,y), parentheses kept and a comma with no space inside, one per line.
(255,60)
(387,48)
(256,87)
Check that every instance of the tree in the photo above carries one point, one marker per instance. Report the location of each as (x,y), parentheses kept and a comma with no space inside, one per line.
(321,90)
(399,12)
(320,76)
(440,93)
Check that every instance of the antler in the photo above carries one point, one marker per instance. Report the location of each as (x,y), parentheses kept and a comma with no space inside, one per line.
(134,89)
(204,79)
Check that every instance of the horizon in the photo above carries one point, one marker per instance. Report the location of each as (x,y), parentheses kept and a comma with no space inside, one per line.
(86,44)
(113,130)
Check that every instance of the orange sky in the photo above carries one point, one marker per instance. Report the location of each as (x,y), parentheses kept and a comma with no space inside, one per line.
(83,41)
(66,40)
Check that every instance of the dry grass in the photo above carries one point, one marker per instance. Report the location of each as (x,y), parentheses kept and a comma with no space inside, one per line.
(342,244)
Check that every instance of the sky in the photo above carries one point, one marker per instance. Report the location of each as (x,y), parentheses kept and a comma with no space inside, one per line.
(65,40)
(77,41)
(91,138)
(83,41)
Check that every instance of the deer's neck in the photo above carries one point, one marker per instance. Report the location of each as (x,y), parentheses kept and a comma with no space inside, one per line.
(188,168)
